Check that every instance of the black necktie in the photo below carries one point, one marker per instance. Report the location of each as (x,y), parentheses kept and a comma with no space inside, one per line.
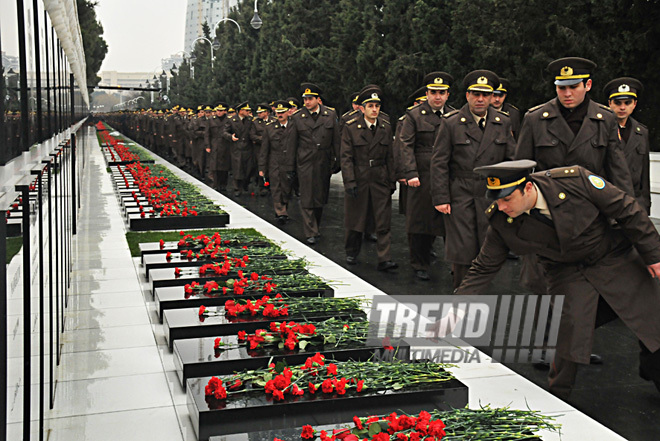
(373,127)
(536,214)
(439,113)
(482,124)
(315,115)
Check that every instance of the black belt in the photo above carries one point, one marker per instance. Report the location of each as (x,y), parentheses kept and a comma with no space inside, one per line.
(373,163)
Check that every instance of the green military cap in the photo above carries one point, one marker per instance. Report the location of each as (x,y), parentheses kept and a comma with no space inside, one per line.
(310,90)
(263,107)
(418,95)
(438,81)
(571,70)
(503,178)
(208,108)
(353,97)
(624,87)
(503,88)
(231,110)
(245,105)
(200,108)
(222,106)
(481,81)
(281,106)
(293,102)
(370,95)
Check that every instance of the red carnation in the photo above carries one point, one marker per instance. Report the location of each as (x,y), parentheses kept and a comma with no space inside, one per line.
(307,432)
(202,309)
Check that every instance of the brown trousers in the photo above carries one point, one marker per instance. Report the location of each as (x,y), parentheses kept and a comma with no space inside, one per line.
(353,244)
(311,218)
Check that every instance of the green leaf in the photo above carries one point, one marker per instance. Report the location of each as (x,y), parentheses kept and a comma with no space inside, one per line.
(374,428)
(397,386)
(303,344)
(279,366)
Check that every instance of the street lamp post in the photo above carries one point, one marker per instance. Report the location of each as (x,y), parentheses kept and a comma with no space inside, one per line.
(192,46)
(256,20)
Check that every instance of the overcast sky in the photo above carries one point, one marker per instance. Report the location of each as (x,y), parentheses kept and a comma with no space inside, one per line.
(141,32)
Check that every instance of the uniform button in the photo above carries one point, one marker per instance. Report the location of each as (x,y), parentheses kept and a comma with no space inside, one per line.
(554,142)
(599,115)
(562,196)
(545,114)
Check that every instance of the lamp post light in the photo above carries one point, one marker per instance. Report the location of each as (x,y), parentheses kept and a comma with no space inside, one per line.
(192,57)
(256,20)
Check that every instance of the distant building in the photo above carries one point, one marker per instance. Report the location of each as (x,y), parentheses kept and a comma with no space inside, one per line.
(128,79)
(199,12)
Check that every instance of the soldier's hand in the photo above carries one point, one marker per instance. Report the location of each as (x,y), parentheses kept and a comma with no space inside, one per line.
(654,270)
(352,192)
(261,174)
(208,150)
(414,182)
(444,208)
(234,138)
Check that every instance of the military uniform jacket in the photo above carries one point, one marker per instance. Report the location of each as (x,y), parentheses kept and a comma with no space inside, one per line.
(637,151)
(258,128)
(583,256)
(459,147)
(242,155)
(220,158)
(514,116)
(272,155)
(417,137)
(346,117)
(546,138)
(312,151)
(367,163)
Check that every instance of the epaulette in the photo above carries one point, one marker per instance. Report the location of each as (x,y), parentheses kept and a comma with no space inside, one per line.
(402,117)
(450,114)
(386,121)
(490,211)
(350,112)
(331,108)
(535,108)
(502,112)
(639,124)
(564,172)
(604,107)
(511,105)
(351,121)
(384,114)
(295,112)
(270,122)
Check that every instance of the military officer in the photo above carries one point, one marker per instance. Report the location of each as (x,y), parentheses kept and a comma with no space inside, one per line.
(571,129)
(258,128)
(423,222)
(219,154)
(237,132)
(350,114)
(200,138)
(367,167)
(272,160)
(564,215)
(622,95)
(473,136)
(499,97)
(312,153)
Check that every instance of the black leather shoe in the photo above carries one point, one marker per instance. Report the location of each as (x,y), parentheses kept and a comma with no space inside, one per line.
(511,256)
(282,219)
(595,359)
(387,265)
(311,241)
(371,237)
(351,260)
(422,275)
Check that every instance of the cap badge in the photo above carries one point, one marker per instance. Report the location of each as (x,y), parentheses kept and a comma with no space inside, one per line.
(624,88)
(482,80)
(566,70)
(374,96)
(493,182)
(437,80)
(308,91)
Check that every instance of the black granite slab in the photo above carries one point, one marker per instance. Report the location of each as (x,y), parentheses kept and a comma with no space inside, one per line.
(165,276)
(157,261)
(173,297)
(186,323)
(196,357)
(257,412)
(136,223)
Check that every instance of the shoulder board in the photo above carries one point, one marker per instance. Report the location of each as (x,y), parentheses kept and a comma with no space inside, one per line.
(386,121)
(641,125)
(604,107)
(415,106)
(351,121)
(402,117)
(384,114)
(491,210)
(536,107)
(502,112)
(564,172)
(269,123)
(513,107)
(450,114)
(331,108)
(295,112)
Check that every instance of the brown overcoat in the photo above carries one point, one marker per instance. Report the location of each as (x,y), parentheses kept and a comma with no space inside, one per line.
(272,160)
(242,152)
(367,163)
(583,255)
(637,151)
(220,158)
(459,147)
(312,151)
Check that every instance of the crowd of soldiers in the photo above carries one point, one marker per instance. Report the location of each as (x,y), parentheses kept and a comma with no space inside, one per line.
(439,155)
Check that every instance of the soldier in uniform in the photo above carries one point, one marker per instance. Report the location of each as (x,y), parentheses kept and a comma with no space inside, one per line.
(423,222)
(237,132)
(565,216)
(272,161)
(219,156)
(350,114)
(258,128)
(312,156)
(498,102)
(473,136)
(367,167)
(199,138)
(622,95)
